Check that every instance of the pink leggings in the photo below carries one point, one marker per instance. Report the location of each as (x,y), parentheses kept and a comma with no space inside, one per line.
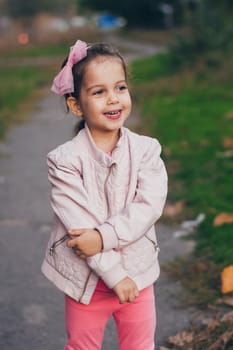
(135,321)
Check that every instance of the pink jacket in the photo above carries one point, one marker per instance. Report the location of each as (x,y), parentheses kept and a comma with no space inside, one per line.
(122,196)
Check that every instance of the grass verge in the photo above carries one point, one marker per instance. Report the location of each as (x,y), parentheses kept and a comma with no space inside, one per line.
(18,88)
(190,111)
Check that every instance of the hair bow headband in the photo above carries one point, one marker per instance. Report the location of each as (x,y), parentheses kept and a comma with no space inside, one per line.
(63,83)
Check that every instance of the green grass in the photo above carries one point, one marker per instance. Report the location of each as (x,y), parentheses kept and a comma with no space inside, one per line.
(36,51)
(17,88)
(20,85)
(188,111)
(146,71)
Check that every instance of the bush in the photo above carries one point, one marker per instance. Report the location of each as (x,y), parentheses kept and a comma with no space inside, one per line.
(211,30)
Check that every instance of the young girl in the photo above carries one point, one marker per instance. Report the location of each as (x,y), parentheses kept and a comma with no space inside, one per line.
(108,189)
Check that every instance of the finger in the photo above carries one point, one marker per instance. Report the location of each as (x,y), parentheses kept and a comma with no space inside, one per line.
(71,243)
(79,252)
(122,298)
(75,232)
(131,296)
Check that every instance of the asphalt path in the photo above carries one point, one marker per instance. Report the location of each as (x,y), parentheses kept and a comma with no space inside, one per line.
(31,308)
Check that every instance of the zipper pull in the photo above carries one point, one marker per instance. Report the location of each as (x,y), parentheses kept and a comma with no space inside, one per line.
(57,243)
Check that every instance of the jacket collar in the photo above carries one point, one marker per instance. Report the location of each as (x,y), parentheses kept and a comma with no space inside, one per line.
(100,156)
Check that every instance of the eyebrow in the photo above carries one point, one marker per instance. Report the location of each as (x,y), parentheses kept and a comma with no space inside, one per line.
(101,85)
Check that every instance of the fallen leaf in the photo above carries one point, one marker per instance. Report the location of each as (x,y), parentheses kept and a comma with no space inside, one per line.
(228,317)
(212,325)
(221,341)
(181,339)
(199,266)
(227,279)
(201,336)
(167,151)
(174,209)
(204,142)
(223,218)
(173,166)
(184,143)
(227,301)
(229,115)
(228,142)
(226,154)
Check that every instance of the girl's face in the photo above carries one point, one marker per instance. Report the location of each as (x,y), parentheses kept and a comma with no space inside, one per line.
(104,98)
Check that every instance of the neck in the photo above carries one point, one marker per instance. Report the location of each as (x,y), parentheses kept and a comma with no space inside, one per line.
(106,141)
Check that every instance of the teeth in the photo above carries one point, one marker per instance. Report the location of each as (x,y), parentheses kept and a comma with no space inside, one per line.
(112,113)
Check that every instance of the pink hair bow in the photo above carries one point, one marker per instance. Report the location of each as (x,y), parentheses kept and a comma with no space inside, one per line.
(63,83)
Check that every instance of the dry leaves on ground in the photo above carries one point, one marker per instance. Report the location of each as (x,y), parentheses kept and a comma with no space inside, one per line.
(223,218)
(229,115)
(182,338)
(226,154)
(213,334)
(228,317)
(220,343)
(228,301)
(228,142)
(227,279)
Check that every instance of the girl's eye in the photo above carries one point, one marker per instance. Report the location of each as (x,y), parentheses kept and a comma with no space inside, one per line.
(98,92)
(122,87)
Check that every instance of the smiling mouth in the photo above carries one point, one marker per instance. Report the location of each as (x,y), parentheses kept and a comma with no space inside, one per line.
(113,115)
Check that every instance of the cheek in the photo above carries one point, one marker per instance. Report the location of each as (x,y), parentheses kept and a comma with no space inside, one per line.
(93,107)
(127,101)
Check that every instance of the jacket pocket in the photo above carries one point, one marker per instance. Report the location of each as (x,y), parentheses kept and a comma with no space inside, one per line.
(140,255)
(153,242)
(65,261)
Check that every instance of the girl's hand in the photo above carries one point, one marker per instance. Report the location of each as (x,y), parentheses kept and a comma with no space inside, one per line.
(126,290)
(85,242)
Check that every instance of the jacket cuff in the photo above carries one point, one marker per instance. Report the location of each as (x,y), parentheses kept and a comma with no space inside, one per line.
(114,276)
(109,236)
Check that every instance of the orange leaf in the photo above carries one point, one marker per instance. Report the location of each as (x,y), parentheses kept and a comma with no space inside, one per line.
(228,142)
(223,218)
(227,279)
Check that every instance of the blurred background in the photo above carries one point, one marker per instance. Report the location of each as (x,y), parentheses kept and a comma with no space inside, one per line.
(180,54)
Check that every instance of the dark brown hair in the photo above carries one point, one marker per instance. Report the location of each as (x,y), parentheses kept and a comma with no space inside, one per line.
(94,51)
(78,70)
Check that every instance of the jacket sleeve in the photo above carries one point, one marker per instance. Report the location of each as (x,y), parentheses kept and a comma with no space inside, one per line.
(70,203)
(138,216)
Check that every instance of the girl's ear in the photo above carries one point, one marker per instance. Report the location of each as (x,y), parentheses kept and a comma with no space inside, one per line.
(74,106)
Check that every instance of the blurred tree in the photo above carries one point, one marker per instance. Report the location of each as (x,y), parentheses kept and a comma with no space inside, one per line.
(25,8)
(138,13)
(210,33)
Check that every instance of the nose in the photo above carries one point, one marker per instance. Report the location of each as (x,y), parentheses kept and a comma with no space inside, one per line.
(112,98)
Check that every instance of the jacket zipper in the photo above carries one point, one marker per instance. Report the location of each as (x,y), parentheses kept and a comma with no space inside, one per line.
(105,190)
(85,287)
(108,210)
(155,244)
(57,243)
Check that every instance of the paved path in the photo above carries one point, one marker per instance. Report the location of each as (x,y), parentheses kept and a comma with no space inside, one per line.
(31,309)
